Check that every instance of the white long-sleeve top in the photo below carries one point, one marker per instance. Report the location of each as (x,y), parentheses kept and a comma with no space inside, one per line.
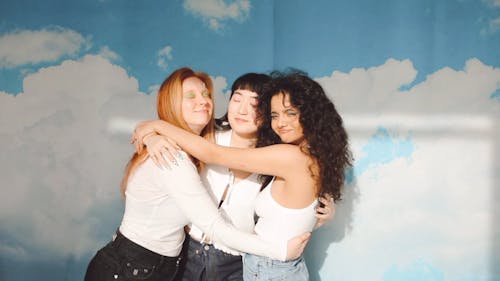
(160,202)
(238,206)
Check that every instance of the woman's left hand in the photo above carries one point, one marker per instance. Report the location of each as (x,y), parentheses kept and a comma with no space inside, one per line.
(161,149)
(325,213)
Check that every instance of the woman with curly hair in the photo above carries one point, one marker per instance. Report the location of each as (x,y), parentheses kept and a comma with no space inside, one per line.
(302,145)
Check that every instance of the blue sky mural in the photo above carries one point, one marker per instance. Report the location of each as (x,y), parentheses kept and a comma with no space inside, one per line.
(416,82)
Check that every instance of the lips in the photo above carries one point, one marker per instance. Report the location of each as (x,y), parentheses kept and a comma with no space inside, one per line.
(282,132)
(240,120)
(201,111)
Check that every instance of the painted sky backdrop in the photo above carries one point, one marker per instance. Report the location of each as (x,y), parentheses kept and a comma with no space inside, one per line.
(417,82)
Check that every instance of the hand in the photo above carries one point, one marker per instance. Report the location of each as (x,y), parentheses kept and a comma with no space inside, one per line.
(142,130)
(325,213)
(296,246)
(161,148)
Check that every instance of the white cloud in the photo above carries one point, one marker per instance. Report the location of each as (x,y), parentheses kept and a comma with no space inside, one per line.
(221,98)
(492,27)
(377,90)
(216,12)
(23,47)
(65,162)
(495,25)
(65,145)
(494,3)
(108,54)
(164,55)
(430,206)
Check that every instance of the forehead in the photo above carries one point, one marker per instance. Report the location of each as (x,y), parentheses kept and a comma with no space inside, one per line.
(246,93)
(192,83)
(281,101)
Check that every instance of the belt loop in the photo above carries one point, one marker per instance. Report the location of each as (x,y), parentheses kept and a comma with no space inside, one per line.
(117,238)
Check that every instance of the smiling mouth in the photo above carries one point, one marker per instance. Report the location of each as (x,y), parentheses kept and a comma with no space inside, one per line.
(282,132)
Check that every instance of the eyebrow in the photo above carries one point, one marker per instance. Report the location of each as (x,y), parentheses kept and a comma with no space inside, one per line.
(239,93)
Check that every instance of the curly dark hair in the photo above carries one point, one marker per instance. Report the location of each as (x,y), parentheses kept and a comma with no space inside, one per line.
(321,124)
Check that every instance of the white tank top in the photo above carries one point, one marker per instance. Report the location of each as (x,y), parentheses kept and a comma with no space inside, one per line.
(277,222)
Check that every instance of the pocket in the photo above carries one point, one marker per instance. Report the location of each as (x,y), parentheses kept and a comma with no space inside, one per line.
(250,267)
(134,269)
(294,272)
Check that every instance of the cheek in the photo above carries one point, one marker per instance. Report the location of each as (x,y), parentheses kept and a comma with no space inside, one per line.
(232,108)
(186,107)
(252,113)
(210,103)
(187,104)
(298,128)
(274,124)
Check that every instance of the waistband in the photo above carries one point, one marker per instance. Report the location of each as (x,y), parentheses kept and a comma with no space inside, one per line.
(198,239)
(270,262)
(199,248)
(122,244)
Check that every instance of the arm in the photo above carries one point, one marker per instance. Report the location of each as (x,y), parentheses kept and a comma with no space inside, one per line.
(272,160)
(185,187)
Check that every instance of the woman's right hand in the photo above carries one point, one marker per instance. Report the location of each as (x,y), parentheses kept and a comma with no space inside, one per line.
(142,130)
(160,149)
(296,246)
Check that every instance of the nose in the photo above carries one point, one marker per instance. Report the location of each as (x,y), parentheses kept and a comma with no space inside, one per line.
(243,108)
(281,122)
(201,100)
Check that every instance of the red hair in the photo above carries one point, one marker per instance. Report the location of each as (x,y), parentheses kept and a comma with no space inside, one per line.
(169,108)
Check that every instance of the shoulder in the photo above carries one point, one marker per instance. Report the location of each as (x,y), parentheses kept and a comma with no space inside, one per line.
(183,167)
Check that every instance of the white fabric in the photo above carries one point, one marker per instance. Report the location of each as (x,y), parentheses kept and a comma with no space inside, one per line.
(277,222)
(159,202)
(238,206)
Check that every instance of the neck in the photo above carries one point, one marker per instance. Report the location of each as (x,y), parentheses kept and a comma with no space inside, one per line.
(242,141)
(196,129)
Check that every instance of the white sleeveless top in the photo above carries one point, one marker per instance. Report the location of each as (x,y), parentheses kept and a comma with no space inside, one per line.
(277,222)
(238,208)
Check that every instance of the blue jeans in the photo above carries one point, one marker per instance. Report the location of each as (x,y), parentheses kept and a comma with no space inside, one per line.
(257,268)
(206,263)
(124,260)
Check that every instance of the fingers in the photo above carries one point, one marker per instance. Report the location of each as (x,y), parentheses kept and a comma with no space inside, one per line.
(322,217)
(325,207)
(173,144)
(165,155)
(324,200)
(322,210)
(161,151)
(327,197)
(156,160)
(171,148)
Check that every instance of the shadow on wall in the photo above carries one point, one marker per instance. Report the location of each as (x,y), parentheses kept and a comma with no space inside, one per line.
(332,232)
